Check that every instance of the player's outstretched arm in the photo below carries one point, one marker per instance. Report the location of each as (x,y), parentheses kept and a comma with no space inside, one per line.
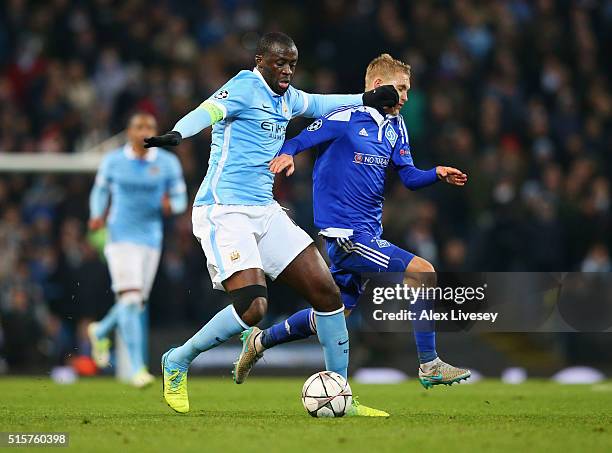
(317,105)
(200,118)
(415,178)
(451,175)
(320,131)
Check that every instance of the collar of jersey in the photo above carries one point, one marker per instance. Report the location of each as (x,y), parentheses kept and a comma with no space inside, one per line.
(258,74)
(375,114)
(130,154)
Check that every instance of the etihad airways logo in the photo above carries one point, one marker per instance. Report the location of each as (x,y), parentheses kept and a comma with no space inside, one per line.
(370,159)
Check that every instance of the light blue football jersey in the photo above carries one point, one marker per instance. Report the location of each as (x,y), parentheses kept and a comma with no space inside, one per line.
(250,134)
(136,187)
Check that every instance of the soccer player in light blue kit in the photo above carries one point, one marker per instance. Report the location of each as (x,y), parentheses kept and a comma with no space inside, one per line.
(143,185)
(243,231)
(356,147)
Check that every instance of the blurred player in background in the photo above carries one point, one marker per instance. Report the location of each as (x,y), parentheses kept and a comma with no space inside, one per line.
(143,185)
(244,232)
(357,146)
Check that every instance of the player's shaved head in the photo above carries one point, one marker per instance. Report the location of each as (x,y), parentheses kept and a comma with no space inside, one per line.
(270,41)
(276,59)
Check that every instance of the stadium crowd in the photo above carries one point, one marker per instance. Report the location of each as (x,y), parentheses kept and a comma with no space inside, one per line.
(515,93)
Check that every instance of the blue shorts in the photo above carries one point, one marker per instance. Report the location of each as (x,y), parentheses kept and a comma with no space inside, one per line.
(362,253)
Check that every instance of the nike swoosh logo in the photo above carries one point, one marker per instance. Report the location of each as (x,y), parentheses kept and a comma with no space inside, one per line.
(437,377)
(266,106)
(219,339)
(340,343)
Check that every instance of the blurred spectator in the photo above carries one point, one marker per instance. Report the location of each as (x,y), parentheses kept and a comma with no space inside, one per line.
(597,260)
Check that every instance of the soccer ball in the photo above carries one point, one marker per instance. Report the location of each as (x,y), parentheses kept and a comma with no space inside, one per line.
(326,394)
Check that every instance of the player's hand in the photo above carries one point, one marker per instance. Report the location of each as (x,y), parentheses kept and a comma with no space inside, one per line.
(96,224)
(165,205)
(451,175)
(383,96)
(282,162)
(171,138)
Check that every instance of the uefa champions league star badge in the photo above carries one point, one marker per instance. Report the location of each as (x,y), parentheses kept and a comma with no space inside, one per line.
(223,94)
(315,125)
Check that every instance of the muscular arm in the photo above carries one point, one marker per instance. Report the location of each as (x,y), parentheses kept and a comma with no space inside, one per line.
(218,107)
(317,105)
(200,118)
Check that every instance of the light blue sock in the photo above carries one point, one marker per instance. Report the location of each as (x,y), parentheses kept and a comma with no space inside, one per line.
(108,323)
(130,329)
(333,336)
(219,329)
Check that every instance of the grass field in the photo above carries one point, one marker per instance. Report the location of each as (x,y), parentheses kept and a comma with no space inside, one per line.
(266,415)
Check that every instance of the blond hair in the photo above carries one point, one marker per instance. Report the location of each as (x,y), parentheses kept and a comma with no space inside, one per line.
(383,66)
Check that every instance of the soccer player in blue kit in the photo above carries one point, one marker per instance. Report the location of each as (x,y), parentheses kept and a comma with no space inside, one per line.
(356,145)
(141,185)
(244,232)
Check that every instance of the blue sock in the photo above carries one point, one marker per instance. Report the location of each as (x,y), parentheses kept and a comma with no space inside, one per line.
(130,329)
(298,326)
(219,329)
(424,332)
(108,323)
(333,336)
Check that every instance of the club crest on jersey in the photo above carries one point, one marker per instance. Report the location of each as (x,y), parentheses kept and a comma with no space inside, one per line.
(382,243)
(223,94)
(370,159)
(154,170)
(391,135)
(315,125)
(235,255)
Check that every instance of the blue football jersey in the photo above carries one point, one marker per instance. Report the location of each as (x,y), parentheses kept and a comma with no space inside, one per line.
(136,187)
(251,132)
(356,146)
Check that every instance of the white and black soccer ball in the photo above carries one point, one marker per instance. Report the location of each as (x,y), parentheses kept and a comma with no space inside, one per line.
(326,394)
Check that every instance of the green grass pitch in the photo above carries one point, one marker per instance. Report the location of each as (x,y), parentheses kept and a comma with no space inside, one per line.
(267,415)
